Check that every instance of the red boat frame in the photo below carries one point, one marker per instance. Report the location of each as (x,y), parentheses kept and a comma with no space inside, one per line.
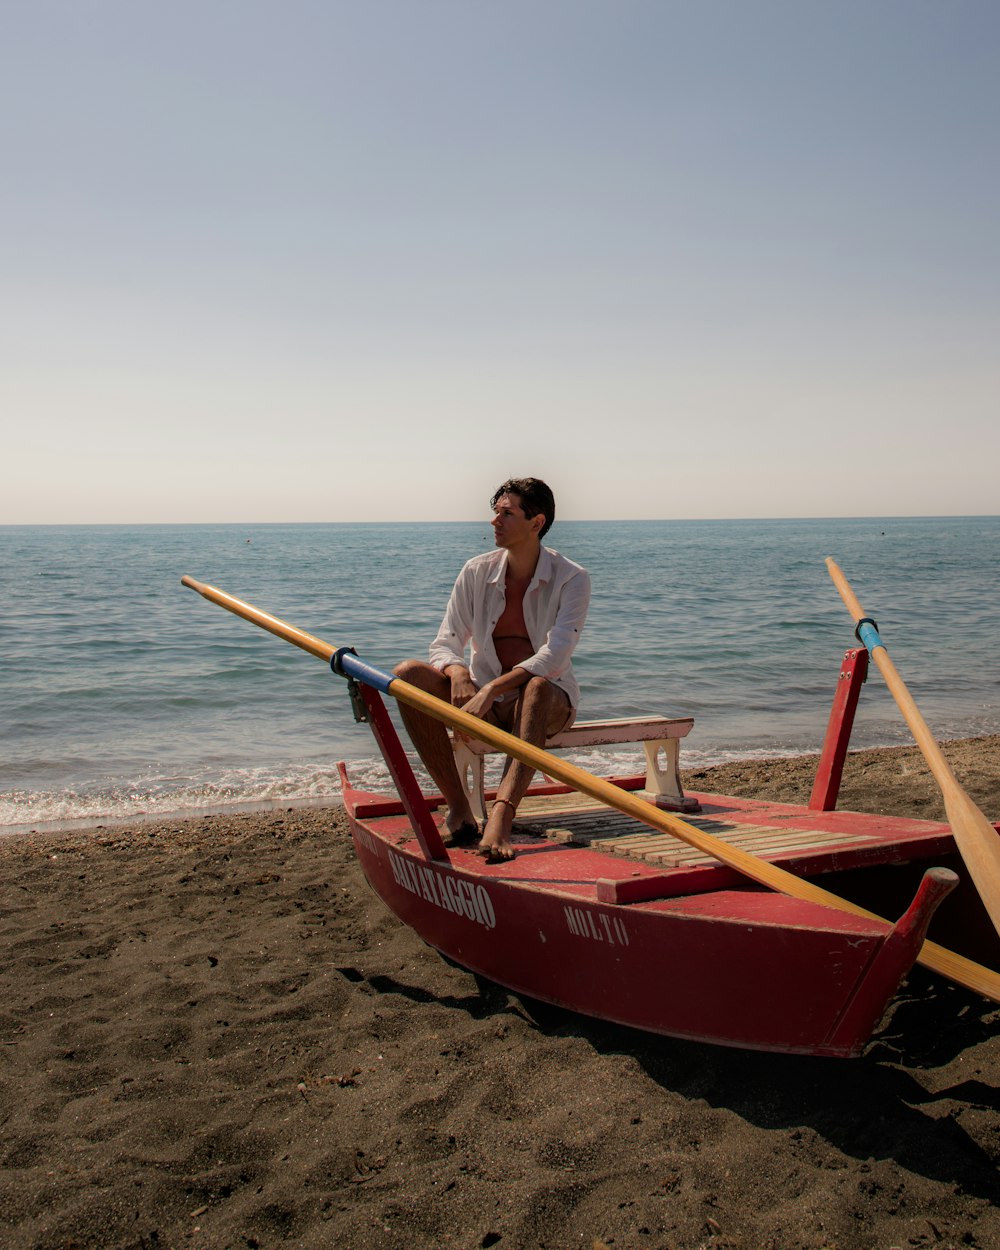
(694,952)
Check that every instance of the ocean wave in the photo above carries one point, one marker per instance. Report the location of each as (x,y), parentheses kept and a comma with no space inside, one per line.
(246,789)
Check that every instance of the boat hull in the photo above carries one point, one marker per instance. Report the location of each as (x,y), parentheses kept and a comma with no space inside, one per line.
(739,967)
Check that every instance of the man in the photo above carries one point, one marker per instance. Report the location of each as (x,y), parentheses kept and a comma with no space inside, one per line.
(522,608)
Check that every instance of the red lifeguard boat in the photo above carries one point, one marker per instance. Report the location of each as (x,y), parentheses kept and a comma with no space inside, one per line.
(766,926)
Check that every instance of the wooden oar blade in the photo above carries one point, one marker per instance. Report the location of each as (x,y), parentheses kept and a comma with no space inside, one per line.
(979,845)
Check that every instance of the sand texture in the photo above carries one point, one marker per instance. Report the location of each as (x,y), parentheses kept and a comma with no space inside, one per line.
(212,1034)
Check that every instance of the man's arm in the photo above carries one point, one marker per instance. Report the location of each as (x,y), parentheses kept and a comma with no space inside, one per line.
(555,653)
(480,702)
(447,651)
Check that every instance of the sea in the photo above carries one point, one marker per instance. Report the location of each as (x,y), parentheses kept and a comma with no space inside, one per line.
(123,694)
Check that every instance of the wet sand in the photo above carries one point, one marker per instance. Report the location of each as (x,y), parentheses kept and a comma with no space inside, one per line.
(212,1034)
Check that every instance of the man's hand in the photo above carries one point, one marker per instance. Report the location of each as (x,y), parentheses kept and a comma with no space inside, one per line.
(463,688)
(480,703)
(500,687)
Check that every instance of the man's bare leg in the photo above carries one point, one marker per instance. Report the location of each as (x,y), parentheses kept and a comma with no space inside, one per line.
(542,710)
(430,738)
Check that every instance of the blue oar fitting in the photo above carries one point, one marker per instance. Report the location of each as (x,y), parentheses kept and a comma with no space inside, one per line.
(866,631)
(345,663)
(337,657)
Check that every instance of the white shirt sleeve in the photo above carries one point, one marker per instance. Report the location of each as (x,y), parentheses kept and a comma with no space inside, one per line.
(456,625)
(562,627)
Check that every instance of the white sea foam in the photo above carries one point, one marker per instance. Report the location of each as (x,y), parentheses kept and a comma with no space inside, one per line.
(255,789)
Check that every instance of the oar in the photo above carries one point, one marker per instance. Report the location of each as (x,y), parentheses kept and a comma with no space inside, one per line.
(954,966)
(975,837)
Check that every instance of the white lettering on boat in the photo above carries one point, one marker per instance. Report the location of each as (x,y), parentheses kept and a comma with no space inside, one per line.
(366,840)
(596,925)
(444,890)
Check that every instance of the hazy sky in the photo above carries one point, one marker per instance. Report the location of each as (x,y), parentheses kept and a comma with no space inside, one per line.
(307,261)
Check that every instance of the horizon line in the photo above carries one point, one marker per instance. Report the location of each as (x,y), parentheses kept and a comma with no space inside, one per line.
(915,516)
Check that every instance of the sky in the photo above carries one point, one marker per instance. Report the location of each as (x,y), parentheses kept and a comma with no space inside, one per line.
(320,261)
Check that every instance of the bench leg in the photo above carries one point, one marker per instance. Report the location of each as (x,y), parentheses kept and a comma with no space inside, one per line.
(471,774)
(663,780)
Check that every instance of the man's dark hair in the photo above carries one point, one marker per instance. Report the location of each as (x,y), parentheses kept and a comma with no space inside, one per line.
(535,497)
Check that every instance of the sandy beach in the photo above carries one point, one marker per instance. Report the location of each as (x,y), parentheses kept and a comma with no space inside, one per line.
(213,1035)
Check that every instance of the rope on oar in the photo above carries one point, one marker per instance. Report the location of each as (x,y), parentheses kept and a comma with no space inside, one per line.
(975,837)
(950,964)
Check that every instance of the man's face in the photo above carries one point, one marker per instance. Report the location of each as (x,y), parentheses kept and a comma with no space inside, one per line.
(510,526)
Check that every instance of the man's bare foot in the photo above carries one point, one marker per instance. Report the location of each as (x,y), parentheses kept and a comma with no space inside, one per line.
(495,846)
(461,827)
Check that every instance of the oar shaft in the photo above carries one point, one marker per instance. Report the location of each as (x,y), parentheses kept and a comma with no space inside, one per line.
(273,624)
(925,740)
(846,592)
(952,965)
(552,765)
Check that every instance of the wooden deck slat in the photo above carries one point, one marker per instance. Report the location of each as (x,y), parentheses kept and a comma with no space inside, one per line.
(589,824)
(655,855)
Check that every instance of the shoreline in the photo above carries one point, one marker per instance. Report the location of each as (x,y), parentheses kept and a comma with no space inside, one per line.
(214,1035)
(795,776)
(79,824)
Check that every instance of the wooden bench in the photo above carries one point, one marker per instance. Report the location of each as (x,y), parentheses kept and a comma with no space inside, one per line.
(659,735)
